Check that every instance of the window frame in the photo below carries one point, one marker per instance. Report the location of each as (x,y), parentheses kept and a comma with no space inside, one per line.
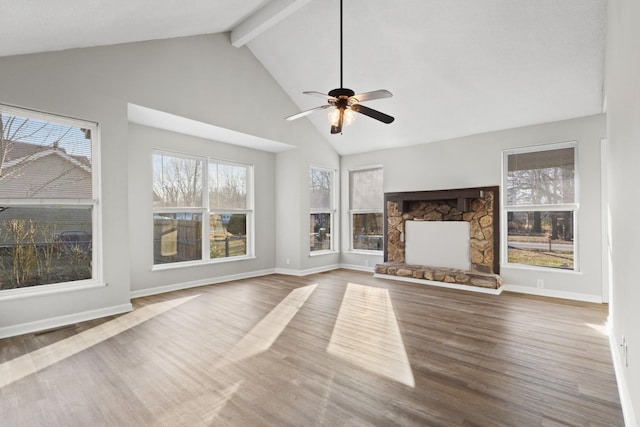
(353,212)
(331,211)
(93,203)
(205,211)
(551,207)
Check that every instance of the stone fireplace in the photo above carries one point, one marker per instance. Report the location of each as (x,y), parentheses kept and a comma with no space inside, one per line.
(476,206)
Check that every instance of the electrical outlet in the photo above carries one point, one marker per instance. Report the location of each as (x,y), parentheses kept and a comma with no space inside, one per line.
(540,283)
(366,263)
(625,352)
(288,261)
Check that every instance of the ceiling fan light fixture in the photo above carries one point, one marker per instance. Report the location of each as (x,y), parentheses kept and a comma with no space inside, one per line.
(349,116)
(341,116)
(334,116)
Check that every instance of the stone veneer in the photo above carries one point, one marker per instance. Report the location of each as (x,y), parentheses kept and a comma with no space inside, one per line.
(446,275)
(480,212)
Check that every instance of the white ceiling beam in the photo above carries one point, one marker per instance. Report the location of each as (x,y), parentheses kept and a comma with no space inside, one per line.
(263,19)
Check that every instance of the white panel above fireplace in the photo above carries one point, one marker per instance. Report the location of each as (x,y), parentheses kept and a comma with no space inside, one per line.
(438,244)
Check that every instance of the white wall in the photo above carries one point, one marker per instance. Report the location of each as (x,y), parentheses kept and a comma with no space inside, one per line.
(476,161)
(201,78)
(622,88)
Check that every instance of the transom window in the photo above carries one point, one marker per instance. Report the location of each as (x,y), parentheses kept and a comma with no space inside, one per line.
(366,200)
(202,209)
(49,220)
(541,206)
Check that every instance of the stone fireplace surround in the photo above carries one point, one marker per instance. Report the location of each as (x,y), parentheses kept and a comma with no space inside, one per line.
(478,206)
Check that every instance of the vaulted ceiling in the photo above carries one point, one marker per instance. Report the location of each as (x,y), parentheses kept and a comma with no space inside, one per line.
(455,67)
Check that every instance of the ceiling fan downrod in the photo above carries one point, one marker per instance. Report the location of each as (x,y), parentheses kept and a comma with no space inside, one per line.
(341,85)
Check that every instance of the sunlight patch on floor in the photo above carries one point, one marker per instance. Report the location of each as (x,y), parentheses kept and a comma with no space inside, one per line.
(30,363)
(367,334)
(203,410)
(600,328)
(263,335)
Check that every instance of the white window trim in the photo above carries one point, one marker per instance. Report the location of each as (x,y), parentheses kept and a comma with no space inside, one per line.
(573,207)
(206,213)
(351,212)
(96,211)
(331,211)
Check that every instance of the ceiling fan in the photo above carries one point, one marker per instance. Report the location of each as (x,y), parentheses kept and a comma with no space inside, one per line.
(345,102)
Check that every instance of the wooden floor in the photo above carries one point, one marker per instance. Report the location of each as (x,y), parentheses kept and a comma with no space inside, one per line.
(338,348)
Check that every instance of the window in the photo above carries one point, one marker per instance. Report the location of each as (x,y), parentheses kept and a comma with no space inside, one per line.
(49,219)
(228,210)
(194,222)
(541,206)
(322,194)
(366,201)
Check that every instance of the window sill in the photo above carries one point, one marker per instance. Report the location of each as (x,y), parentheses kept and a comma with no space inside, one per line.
(538,269)
(365,252)
(54,288)
(318,253)
(185,264)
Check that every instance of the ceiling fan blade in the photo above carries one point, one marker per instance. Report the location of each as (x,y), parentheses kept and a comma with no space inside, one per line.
(368,96)
(320,94)
(307,112)
(374,114)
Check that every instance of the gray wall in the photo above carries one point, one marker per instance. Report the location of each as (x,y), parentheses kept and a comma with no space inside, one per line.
(292,206)
(142,141)
(477,161)
(623,115)
(202,78)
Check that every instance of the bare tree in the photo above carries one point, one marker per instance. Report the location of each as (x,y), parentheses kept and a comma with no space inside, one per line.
(177,181)
(228,186)
(320,187)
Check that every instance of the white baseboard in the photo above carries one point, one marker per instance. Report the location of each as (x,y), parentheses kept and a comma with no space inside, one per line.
(506,287)
(625,398)
(299,273)
(57,322)
(357,267)
(477,289)
(196,283)
(288,272)
(553,293)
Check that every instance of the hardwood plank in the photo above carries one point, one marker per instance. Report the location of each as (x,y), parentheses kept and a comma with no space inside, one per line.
(477,360)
